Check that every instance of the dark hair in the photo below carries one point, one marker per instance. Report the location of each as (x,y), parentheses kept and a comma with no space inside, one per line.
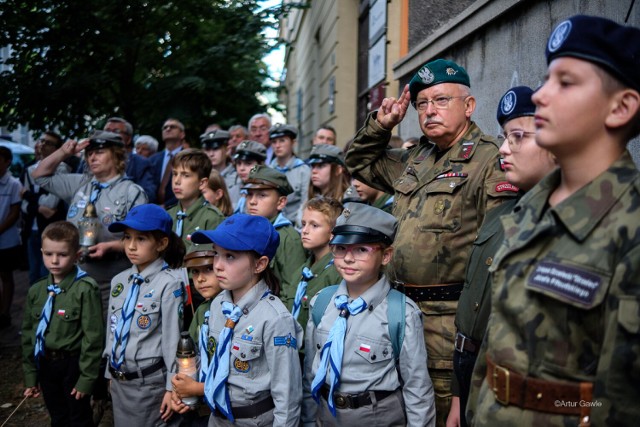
(63,231)
(54,135)
(268,276)
(127,126)
(329,128)
(611,85)
(194,160)
(337,186)
(175,251)
(6,154)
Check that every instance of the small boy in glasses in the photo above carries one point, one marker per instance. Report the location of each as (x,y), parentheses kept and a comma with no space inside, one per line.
(365,360)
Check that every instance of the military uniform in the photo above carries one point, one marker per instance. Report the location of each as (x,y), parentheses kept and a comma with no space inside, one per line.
(289,256)
(201,215)
(264,360)
(153,340)
(73,341)
(112,205)
(324,274)
(440,205)
(298,174)
(369,365)
(565,305)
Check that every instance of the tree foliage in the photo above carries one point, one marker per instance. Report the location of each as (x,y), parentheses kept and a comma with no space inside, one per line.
(74,63)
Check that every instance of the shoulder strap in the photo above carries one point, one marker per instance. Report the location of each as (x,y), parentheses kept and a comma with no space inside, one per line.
(324,296)
(396,309)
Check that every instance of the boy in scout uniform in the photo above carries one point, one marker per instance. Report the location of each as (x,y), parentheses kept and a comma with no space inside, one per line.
(191,169)
(356,368)
(563,341)
(267,191)
(442,189)
(283,139)
(62,331)
(248,154)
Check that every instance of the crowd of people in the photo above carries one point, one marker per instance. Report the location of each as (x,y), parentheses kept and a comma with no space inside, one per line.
(452,280)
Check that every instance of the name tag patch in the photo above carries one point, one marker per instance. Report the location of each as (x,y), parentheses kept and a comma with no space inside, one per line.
(569,282)
(288,341)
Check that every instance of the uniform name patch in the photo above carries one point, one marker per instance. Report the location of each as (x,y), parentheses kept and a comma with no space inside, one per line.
(572,283)
(505,186)
(288,341)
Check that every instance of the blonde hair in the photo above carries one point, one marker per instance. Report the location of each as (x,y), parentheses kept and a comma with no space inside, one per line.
(330,208)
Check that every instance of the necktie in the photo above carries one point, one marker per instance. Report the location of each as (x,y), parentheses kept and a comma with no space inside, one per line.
(45,319)
(121,335)
(166,176)
(334,348)
(307,275)
(181,215)
(96,188)
(215,385)
(202,347)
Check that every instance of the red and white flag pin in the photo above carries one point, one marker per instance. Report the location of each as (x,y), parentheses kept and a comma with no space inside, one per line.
(365,348)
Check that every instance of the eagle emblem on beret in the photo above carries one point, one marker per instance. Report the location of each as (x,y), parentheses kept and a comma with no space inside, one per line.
(426,75)
(559,35)
(508,102)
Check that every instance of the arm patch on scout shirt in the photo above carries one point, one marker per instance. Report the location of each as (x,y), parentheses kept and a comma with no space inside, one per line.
(288,341)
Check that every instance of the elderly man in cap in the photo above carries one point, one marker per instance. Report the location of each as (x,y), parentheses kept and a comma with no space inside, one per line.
(442,189)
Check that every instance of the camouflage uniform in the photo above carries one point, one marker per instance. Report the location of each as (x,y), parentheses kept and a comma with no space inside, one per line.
(565,304)
(440,204)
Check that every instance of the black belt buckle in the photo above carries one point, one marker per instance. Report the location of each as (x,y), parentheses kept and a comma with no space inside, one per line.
(342,401)
(119,375)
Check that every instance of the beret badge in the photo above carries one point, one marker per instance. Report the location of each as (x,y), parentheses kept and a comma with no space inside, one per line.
(559,35)
(451,71)
(508,102)
(426,75)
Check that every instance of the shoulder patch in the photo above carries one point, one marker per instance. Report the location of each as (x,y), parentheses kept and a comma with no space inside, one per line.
(506,186)
(286,341)
(177,293)
(117,290)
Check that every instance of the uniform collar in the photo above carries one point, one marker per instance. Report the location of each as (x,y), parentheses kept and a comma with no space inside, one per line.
(197,205)
(372,296)
(66,283)
(251,298)
(280,221)
(5,177)
(319,266)
(153,268)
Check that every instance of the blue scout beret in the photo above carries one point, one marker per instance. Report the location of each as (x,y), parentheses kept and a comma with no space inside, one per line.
(436,72)
(103,139)
(242,232)
(147,217)
(262,176)
(250,150)
(515,103)
(281,130)
(360,223)
(214,139)
(326,153)
(614,47)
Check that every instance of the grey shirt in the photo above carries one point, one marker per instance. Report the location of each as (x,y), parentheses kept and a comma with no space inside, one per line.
(368,363)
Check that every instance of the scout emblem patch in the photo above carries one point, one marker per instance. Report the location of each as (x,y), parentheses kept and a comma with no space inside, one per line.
(287,341)
(117,290)
(241,366)
(149,294)
(559,35)
(107,219)
(439,208)
(211,346)
(426,75)
(72,212)
(144,321)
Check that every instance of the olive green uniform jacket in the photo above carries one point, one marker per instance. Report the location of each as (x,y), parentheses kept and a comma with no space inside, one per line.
(201,215)
(289,256)
(566,300)
(77,326)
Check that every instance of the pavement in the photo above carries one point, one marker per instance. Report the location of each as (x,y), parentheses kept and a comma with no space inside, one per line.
(10,337)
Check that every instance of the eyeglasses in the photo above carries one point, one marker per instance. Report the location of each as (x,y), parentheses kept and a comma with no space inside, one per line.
(259,128)
(515,138)
(169,127)
(358,252)
(439,103)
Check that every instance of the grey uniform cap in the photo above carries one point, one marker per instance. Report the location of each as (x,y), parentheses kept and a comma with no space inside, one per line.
(250,150)
(103,139)
(360,223)
(281,130)
(325,153)
(214,139)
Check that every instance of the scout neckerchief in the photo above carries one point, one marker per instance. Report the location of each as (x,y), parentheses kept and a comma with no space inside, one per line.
(301,291)
(202,347)
(45,316)
(96,189)
(333,349)
(291,165)
(121,335)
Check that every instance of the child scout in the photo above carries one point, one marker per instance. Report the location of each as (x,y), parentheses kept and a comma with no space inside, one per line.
(365,362)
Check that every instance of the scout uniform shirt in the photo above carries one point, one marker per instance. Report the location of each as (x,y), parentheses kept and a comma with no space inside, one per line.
(112,205)
(201,215)
(368,363)
(157,321)
(298,174)
(264,358)
(565,303)
(324,274)
(76,326)
(440,205)
(289,256)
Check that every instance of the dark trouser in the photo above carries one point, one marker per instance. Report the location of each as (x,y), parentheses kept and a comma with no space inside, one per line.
(463,364)
(57,378)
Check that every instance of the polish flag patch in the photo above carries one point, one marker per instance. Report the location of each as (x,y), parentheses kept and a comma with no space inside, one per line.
(235,347)
(140,305)
(61,312)
(365,348)
(506,186)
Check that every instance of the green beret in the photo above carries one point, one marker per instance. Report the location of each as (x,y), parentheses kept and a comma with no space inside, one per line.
(436,72)
(264,177)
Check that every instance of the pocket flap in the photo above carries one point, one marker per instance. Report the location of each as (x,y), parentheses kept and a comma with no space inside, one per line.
(373,351)
(246,351)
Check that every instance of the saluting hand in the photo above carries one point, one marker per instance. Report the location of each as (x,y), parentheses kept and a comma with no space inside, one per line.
(392,111)
(73,147)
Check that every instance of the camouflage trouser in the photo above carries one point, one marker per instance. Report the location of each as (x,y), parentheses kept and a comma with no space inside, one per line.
(439,333)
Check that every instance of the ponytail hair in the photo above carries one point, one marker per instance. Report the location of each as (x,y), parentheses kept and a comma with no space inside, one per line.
(175,251)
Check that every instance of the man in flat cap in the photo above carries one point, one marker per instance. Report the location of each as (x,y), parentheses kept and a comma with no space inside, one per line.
(442,189)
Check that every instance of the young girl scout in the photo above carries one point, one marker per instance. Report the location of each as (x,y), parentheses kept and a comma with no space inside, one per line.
(254,378)
(365,358)
(145,310)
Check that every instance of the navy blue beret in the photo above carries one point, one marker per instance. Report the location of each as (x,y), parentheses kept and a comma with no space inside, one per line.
(613,47)
(515,103)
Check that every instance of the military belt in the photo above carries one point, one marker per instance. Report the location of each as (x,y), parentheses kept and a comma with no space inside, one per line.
(353,401)
(127,376)
(50,354)
(439,292)
(249,411)
(512,388)
(464,343)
